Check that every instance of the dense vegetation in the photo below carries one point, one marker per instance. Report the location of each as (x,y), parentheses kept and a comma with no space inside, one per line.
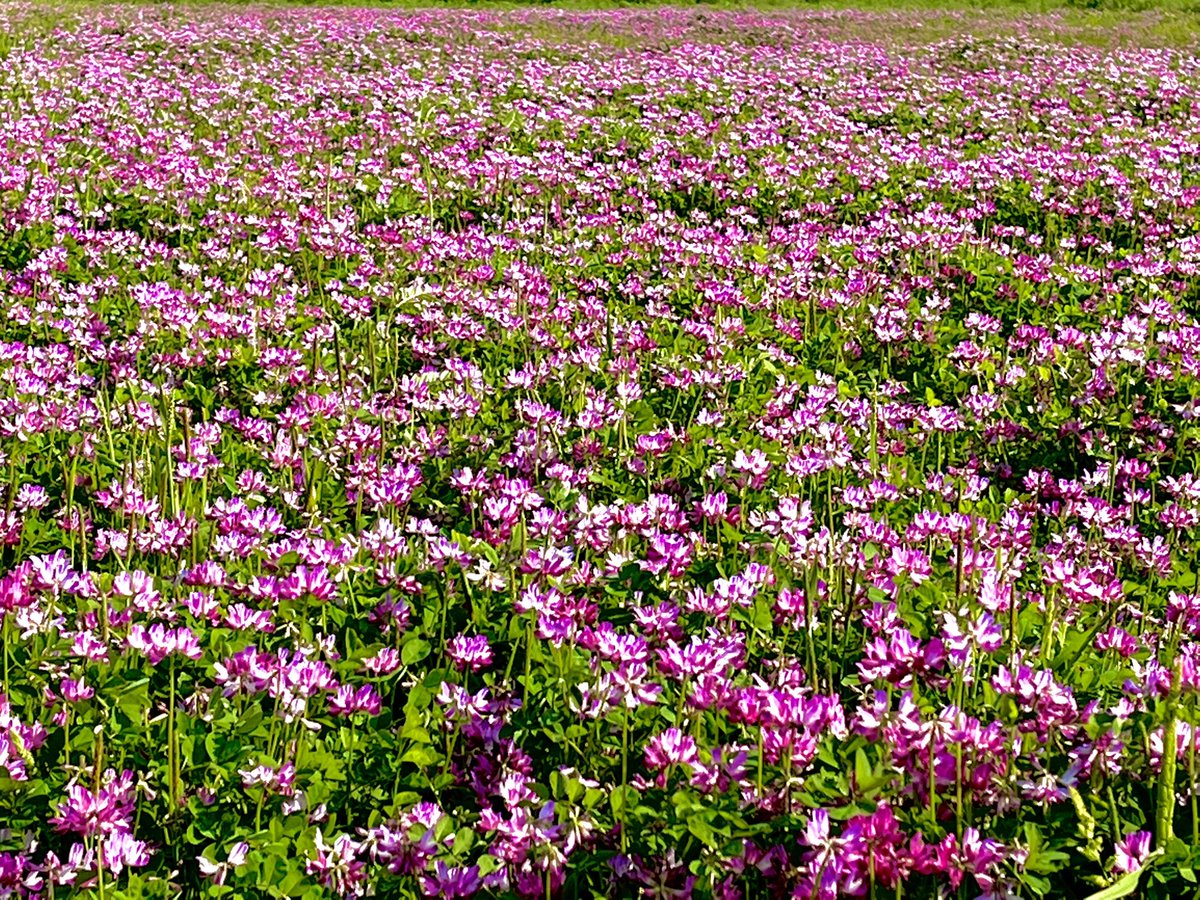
(567,454)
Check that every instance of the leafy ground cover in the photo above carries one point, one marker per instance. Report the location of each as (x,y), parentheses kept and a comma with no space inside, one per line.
(546,453)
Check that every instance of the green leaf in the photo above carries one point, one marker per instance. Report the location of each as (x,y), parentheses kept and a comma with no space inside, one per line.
(699,827)
(1033,837)
(464,838)
(621,799)
(414,732)
(134,699)
(487,864)
(414,651)
(250,719)
(1123,887)
(862,768)
(867,778)
(1046,861)
(730,534)
(421,756)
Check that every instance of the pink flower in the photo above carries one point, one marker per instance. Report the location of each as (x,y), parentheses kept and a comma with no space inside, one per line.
(218,872)
(671,748)
(473,653)
(337,867)
(346,701)
(1131,851)
(104,812)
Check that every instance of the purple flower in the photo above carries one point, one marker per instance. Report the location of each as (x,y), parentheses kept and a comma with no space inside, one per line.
(1131,851)
(451,881)
(472,652)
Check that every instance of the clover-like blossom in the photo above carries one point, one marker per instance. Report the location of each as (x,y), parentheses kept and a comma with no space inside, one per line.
(470,652)
(1131,851)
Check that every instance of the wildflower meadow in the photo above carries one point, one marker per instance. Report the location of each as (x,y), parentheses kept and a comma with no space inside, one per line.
(666,452)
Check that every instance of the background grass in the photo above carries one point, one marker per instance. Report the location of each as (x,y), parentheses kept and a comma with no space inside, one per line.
(1100,23)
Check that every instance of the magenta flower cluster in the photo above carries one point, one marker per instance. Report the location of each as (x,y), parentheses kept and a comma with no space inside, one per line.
(564,454)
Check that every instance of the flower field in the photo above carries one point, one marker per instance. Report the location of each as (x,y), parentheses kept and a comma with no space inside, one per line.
(623,453)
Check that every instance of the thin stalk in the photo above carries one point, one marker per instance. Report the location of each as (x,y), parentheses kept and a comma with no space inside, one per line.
(1192,780)
(172,741)
(624,778)
(1165,811)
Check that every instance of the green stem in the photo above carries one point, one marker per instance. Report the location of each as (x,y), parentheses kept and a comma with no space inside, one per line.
(624,778)
(760,762)
(172,741)
(1192,780)
(1165,812)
